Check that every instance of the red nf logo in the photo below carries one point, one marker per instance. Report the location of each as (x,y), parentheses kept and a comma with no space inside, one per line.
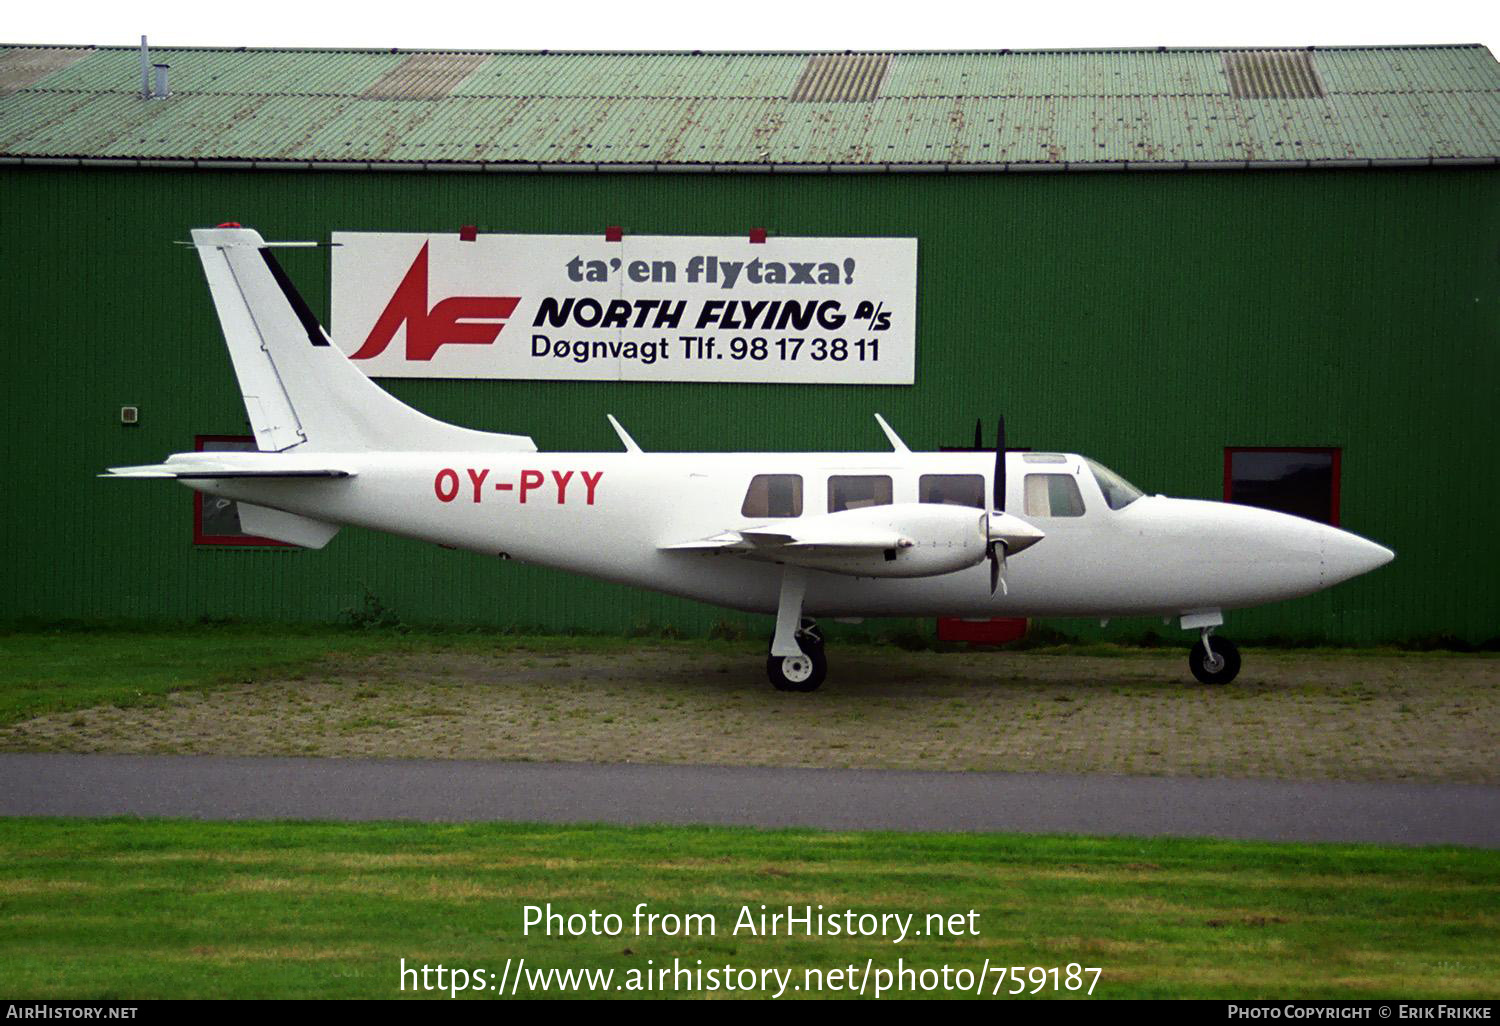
(471,320)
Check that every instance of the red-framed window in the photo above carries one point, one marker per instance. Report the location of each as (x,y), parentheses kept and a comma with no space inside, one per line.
(1301,480)
(216,521)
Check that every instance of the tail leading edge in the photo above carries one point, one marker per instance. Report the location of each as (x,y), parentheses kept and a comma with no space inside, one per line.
(300,391)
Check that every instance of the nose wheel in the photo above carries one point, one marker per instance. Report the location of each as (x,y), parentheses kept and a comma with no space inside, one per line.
(1216,661)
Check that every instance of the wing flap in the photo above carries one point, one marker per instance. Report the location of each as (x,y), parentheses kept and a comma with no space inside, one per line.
(754,541)
(729,541)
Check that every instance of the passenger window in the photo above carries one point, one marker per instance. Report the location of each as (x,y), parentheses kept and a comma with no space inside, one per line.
(1053,495)
(850,492)
(773,495)
(952,490)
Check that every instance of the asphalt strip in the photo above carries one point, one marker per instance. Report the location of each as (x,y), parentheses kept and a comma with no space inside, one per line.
(230,788)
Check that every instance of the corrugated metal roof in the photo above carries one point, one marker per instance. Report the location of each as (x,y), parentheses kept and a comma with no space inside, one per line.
(21,68)
(841,76)
(1272,75)
(1020,110)
(424,76)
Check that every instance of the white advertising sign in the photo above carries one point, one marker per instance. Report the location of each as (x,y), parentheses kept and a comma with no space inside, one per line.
(645,308)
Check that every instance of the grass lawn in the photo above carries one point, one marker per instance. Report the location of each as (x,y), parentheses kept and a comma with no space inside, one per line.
(141,909)
(50,671)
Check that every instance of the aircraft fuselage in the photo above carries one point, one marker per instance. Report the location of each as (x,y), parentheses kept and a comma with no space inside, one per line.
(609,515)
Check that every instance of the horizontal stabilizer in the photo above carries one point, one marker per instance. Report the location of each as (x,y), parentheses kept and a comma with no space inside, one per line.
(162,470)
(214,466)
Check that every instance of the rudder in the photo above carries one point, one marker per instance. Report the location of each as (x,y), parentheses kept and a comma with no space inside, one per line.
(300,391)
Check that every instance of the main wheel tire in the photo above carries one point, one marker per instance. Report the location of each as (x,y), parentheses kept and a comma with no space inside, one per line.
(803,672)
(1221,667)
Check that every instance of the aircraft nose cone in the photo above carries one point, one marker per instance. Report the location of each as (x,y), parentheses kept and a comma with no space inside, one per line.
(1348,555)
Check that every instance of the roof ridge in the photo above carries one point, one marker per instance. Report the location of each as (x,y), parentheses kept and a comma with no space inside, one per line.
(1003,52)
(761,97)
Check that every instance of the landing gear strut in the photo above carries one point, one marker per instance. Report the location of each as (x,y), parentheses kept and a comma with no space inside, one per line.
(796,661)
(1216,661)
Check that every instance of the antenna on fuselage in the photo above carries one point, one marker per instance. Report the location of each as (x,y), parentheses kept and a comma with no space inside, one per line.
(625,438)
(890,433)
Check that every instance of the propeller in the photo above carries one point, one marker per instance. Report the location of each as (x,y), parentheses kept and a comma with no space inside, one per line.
(999,502)
(1004,533)
(997,548)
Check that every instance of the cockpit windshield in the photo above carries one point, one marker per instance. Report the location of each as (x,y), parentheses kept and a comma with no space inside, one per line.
(1118,492)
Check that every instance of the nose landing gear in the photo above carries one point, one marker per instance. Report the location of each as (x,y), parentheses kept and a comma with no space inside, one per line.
(1212,662)
(1216,661)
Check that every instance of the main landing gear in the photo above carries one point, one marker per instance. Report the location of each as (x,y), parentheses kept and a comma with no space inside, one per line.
(804,671)
(796,661)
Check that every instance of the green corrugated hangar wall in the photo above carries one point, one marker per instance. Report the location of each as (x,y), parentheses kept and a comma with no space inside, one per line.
(1146,319)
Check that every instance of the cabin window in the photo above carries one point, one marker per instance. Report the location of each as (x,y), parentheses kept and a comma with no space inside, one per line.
(858,491)
(1053,495)
(773,495)
(216,521)
(952,490)
(1302,482)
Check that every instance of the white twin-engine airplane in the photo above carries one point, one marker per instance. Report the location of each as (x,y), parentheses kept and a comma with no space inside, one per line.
(841,535)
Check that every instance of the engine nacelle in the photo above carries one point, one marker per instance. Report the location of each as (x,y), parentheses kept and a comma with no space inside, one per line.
(925,540)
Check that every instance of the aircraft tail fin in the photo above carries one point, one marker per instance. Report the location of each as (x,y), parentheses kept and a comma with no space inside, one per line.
(300,391)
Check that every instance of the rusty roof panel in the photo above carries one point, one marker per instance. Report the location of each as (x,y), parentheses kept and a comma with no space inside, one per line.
(1272,75)
(976,109)
(424,76)
(841,77)
(25,66)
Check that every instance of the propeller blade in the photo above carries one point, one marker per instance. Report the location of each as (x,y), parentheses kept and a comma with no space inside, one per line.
(979,434)
(1000,466)
(997,567)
